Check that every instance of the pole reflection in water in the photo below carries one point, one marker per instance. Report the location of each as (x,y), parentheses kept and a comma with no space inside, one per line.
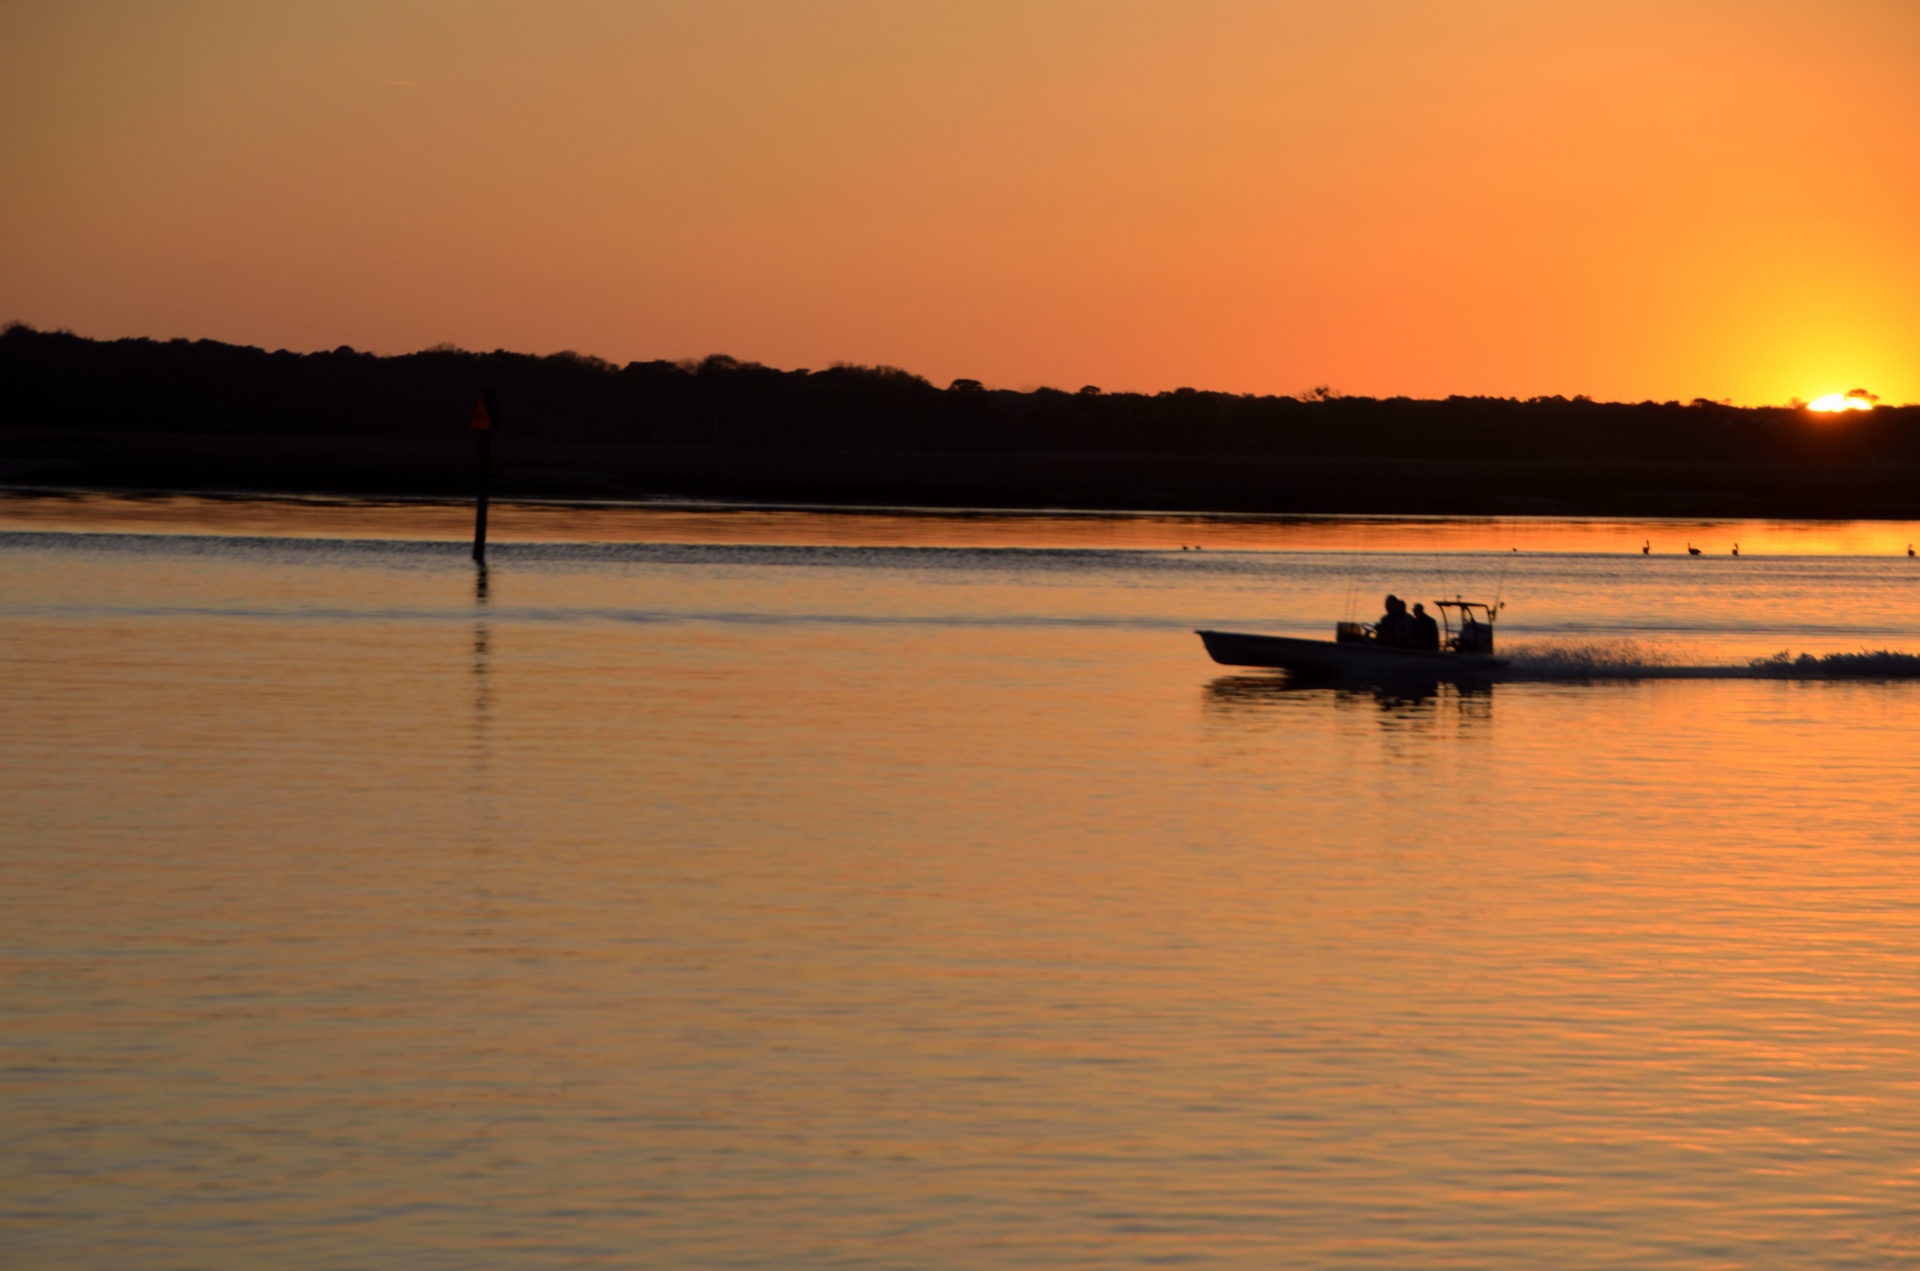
(481,740)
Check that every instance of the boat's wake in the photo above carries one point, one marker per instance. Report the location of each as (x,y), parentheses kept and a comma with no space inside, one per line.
(1592,659)
(1629,659)
(1879,664)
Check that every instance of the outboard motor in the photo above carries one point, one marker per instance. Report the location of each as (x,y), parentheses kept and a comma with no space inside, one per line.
(1474,637)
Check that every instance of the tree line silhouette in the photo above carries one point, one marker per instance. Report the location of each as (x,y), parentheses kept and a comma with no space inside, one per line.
(55,383)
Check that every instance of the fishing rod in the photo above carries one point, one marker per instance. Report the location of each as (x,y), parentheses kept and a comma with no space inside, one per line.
(1500,586)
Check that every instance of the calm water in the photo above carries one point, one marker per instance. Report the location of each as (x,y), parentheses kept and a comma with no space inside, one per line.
(760,890)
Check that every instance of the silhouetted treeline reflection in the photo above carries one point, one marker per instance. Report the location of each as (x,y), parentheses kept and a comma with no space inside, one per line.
(200,414)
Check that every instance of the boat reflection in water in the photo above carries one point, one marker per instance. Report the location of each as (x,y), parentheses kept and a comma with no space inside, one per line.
(1400,702)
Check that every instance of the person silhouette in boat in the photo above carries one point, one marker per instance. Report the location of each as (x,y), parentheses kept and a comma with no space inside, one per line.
(1395,628)
(1426,632)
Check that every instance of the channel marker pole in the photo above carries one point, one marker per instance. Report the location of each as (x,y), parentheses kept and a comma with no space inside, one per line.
(486,418)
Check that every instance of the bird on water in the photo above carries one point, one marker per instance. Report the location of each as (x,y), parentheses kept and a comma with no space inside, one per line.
(1692,550)
(1736,549)
(1646,548)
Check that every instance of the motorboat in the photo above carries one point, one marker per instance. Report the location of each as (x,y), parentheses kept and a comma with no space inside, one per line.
(1357,651)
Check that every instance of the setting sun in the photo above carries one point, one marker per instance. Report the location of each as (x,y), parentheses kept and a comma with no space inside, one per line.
(1854,399)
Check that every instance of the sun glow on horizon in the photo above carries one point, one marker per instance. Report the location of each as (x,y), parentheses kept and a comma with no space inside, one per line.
(1855,399)
(1514,199)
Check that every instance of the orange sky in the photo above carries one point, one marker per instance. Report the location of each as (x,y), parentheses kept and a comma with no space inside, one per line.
(1666,199)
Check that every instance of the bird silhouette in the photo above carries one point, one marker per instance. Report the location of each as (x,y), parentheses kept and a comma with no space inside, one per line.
(1692,550)
(1909,549)
(1646,548)
(1736,549)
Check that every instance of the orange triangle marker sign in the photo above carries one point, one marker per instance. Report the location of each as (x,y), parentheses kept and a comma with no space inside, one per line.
(481,421)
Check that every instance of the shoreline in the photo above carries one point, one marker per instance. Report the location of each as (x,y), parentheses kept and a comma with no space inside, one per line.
(959,512)
(524,519)
(933,482)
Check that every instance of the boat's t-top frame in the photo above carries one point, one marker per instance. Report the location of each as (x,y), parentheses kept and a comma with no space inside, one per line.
(1475,634)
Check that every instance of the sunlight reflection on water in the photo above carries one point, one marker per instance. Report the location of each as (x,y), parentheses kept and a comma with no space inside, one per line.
(692,904)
